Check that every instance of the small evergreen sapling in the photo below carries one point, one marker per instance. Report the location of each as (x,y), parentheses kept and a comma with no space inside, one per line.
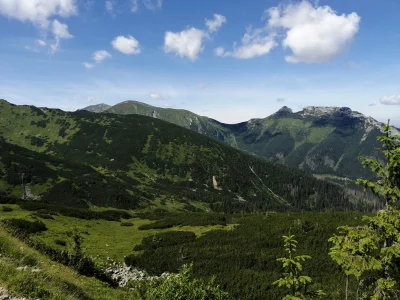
(292,279)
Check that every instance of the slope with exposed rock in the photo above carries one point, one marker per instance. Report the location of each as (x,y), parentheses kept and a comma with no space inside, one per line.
(325,141)
(137,162)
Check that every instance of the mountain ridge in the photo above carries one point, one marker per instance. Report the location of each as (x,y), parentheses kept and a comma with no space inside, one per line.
(320,140)
(135,162)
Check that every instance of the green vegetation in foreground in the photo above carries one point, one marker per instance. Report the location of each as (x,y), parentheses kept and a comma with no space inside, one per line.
(26,272)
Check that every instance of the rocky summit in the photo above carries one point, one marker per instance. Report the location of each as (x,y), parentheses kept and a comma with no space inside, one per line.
(324,141)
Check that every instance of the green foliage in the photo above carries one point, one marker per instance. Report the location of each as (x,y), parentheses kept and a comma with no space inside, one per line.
(319,143)
(292,279)
(168,220)
(183,287)
(48,209)
(136,162)
(127,224)
(24,227)
(371,253)
(243,258)
(6,209)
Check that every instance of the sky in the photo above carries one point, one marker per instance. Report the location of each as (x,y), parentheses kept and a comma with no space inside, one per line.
(231,60)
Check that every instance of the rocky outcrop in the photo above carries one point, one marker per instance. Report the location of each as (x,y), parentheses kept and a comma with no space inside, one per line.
(4,295)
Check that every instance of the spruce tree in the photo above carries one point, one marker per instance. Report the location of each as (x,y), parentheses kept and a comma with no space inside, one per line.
(371,253)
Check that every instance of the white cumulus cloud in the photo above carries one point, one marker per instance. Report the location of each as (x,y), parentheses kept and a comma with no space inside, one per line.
(101,55)
(126,45)
(215,23)
(313,34)
(255,42)
(156,96)
(187,43)
(390,100)
(60,30)
(88,65)
(37,11)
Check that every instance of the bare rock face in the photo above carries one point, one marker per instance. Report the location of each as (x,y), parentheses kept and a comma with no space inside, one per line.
(4,295)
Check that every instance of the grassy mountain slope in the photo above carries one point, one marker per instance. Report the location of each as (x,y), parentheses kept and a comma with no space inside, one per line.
(180,117)
(321,140)
(136,162)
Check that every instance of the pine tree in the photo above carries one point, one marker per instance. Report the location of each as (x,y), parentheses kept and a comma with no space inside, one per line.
(292,279)
(371,253)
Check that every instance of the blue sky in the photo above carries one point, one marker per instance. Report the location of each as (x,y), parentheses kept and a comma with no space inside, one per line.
(230,60)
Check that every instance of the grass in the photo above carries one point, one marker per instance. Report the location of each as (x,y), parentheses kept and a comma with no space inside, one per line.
(45,279)
(101,238)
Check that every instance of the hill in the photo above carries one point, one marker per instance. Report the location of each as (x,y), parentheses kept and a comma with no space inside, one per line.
(82,159)
(325,141)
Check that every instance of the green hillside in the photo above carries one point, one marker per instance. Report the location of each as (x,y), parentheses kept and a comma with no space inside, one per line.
(325,141)
(83,159)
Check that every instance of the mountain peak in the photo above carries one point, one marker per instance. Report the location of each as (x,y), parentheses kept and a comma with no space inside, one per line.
(97,108)
(284,110)
(330,111)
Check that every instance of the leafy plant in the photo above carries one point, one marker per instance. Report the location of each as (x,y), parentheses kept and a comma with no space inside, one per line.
(183,287)
(371,253)
(292,279)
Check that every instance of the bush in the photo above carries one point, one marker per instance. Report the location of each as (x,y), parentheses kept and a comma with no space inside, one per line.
(60,242)
(43,216)
(183,287)
(25,227)
(127,224)
(6,209)
(79,213)
(165,239)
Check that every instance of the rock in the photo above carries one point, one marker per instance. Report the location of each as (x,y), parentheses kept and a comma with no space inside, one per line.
(285,110)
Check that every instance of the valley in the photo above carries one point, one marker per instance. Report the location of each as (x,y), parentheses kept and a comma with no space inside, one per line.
(141,197)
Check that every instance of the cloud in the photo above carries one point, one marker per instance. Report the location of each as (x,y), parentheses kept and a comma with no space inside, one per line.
(280,100)
(126,45)
(153,4)
(90,99)
(101,55)
(313,34)
(255,42)
(37,12)
(156,96)
(220,51)
(88,65)
(41,43)
(372,104)
(60,31)
(135,5)
(216,23)
(390,100)
(187,43)
(110,6)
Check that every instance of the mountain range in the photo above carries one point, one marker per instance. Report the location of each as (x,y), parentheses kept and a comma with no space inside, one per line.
(324,141)
(82,159)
